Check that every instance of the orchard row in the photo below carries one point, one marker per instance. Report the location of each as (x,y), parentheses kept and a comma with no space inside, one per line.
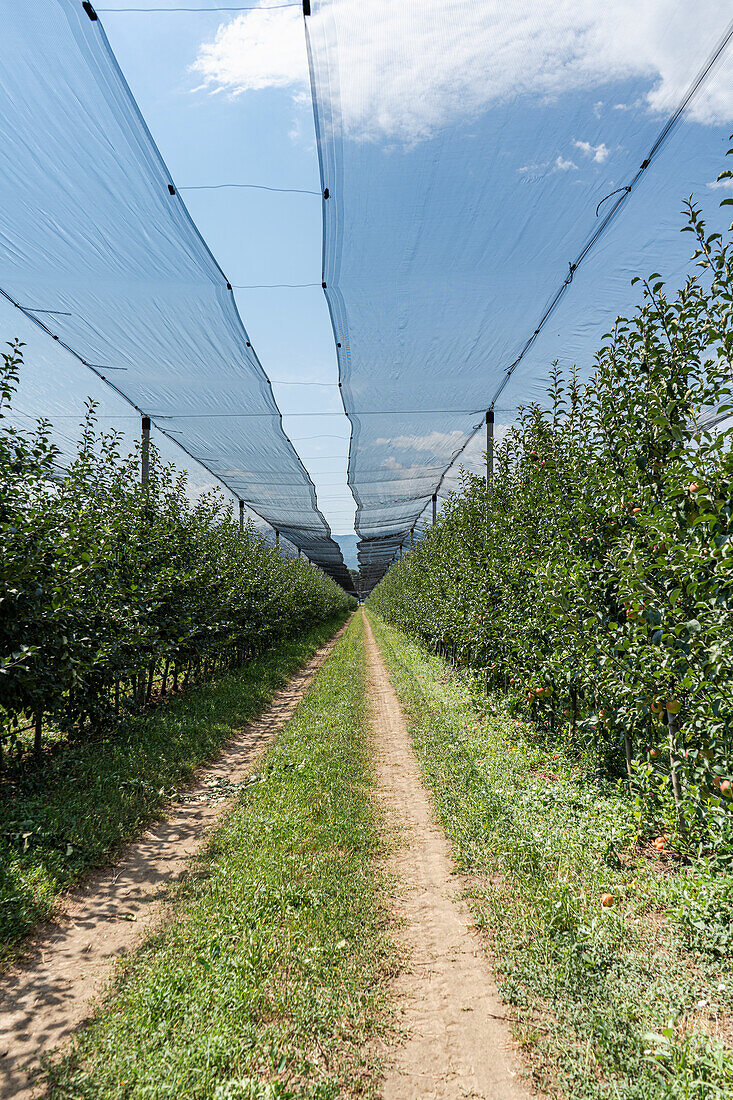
(110,593)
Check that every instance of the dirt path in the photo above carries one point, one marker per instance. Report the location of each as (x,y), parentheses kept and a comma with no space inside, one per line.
(456,1045)
(44,999)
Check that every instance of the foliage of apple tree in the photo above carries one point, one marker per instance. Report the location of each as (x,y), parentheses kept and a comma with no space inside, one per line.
(109,591)
(593,580)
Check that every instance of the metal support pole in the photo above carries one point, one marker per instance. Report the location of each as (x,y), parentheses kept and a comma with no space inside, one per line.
(435,506)
(489,446)
(241,515)
(145,452)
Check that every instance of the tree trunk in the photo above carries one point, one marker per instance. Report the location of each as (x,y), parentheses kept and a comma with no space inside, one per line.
(674,772)
(627,754)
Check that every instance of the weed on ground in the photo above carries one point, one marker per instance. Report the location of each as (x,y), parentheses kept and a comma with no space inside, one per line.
(629,999)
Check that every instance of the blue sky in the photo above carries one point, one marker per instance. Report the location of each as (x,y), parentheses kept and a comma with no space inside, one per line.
(226,99)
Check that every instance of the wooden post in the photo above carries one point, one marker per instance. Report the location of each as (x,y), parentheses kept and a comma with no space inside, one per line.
(277,537)
(241,515)
(435,506)
(489,446)
(412,537)
(145,452)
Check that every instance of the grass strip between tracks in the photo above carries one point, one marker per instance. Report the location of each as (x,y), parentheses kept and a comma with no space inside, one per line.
(630,1000)
(70,813)
(269,981)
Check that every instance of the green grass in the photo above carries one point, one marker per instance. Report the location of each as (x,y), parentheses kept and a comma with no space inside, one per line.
(269,980)
(67,816)
(632,1001)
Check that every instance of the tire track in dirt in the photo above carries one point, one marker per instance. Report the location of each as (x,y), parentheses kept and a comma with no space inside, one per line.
(455,1046)
(47,996)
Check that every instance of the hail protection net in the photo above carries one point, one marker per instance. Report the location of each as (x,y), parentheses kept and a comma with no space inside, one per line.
(97,247)
(496,175)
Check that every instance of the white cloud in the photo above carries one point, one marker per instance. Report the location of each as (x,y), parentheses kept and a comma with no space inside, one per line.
(725,185)
(258,49)
(395,466)
(598,153)
(407,68)
(432,441)
(560,164)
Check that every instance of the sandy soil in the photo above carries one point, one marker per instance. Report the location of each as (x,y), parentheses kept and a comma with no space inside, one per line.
(71,960)
(456,1042)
